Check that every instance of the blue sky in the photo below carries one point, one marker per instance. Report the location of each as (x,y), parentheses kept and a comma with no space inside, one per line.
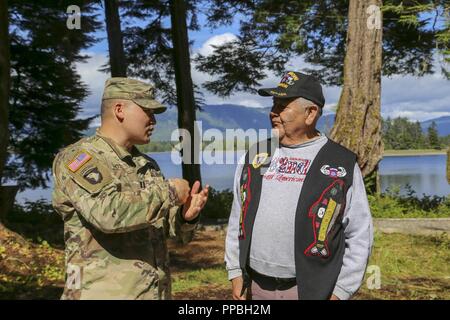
(416,98)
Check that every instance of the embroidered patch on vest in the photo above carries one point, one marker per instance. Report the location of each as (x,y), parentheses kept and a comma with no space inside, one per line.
(338,172)
(245,200)
(80,160)
(324,213)
(259,159)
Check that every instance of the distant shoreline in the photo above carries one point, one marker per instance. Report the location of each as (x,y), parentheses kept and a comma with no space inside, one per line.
(387,153)
(412,153)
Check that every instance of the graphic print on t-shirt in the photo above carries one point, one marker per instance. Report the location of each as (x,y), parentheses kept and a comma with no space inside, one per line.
(287,169)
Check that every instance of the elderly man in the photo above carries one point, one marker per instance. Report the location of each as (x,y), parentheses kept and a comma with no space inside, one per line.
(300,225)
(116,205)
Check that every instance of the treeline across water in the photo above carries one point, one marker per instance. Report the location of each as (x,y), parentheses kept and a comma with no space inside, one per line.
(398,134)
(401,134)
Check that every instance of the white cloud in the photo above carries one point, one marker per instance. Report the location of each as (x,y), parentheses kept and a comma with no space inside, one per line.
(416,98)
(95,81)
(417,115)
(207,47)
(252,103)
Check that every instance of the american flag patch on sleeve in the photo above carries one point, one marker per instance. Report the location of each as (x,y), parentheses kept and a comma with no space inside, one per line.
(79,161)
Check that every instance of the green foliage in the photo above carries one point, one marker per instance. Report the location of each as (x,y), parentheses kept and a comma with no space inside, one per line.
(393,205)
(370,182)
(218,205)
(401,134)
(46,91)
(433,17)
(53,273)
(433,138)
(148,45)
(273,32)
(38,222)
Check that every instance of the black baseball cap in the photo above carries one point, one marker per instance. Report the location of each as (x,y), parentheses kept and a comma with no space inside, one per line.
(294,85)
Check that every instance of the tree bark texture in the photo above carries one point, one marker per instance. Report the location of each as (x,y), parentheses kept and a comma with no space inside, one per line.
(185,89)
(358,116)
(117,59)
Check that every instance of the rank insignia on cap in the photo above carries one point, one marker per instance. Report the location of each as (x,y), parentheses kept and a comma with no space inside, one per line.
(288,80)
(259,159)
(80,160)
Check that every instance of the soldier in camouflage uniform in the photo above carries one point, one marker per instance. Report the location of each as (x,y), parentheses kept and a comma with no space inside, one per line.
(117,207)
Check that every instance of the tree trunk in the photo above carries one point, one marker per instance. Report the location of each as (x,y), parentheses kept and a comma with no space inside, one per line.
(185,89)
(358,118)
(117,59)
(4,92)
(7,197)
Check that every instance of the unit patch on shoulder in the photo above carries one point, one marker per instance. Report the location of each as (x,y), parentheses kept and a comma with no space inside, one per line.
(88,172)
(93,175)
(80,160)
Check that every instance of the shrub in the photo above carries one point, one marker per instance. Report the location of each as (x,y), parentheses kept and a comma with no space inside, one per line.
(218,205)
(393,205)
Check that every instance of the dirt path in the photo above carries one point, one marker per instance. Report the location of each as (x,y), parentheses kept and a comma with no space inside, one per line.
(434,226)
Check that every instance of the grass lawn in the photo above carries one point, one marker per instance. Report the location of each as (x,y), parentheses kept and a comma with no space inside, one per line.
(411,267)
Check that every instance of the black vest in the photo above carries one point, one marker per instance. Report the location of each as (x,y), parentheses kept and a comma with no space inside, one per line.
(319,234)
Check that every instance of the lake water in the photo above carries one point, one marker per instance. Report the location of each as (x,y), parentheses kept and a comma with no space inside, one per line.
(425,174)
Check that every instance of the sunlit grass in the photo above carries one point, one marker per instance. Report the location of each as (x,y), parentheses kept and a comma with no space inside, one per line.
(412,267)
(197,278)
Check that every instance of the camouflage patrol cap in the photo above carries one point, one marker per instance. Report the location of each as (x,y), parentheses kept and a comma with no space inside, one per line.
(137,91)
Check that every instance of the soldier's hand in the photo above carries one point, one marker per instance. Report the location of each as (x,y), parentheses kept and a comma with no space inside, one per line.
(237,284)
(196,201)
(182,189)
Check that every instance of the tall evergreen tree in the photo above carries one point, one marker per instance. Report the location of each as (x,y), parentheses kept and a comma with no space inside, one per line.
(433,137)
(185,88)
(4,97)
(417,136)
(159,51)
(358,117)
(46,90)
(117,61)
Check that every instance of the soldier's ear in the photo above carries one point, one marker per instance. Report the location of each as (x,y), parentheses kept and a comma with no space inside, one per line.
(118,110)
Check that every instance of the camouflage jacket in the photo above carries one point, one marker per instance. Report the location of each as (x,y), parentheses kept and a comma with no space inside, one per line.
(118,211)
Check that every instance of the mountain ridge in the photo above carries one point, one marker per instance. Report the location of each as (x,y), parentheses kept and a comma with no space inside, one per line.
(231,116)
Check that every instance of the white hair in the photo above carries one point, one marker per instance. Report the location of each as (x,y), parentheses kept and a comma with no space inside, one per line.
(306,103)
